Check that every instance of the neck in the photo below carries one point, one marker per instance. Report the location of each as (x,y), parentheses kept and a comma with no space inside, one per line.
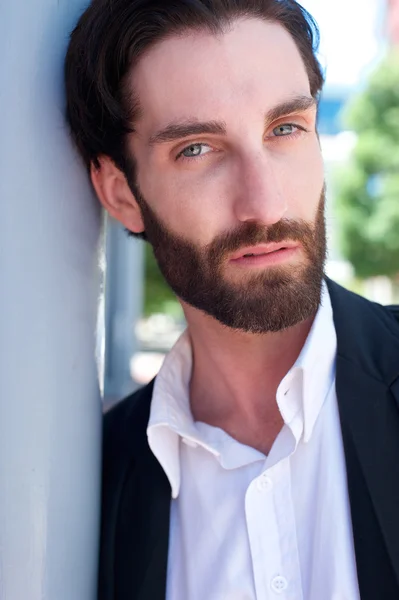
(236,375)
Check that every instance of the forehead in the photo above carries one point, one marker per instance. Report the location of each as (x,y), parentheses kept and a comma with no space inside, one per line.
(254,65)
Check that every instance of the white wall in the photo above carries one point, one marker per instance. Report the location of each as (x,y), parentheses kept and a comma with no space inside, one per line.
(50,411)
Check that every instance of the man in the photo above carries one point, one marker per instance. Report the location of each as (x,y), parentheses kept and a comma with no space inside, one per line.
(263,461)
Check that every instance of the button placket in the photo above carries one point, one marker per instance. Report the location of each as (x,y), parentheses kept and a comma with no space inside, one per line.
(263,532)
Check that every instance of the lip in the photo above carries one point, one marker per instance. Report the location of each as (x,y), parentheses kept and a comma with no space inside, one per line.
(276,257)
(263,251)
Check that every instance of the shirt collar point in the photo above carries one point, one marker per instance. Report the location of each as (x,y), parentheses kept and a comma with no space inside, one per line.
(175,491)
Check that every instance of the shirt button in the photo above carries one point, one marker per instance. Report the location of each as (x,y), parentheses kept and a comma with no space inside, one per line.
(279,584)
(264,483)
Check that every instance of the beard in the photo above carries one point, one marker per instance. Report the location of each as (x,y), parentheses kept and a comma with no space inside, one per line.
(271,300)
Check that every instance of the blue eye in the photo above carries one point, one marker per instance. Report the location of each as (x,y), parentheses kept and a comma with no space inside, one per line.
(284,130)
(194,151)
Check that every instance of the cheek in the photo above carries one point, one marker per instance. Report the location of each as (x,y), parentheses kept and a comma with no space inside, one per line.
(190,204)
(305,179)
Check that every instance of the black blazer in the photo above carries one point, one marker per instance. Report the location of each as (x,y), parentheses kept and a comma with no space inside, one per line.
(136,494)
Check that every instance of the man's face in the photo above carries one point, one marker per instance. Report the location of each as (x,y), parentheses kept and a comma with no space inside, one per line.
(228,165)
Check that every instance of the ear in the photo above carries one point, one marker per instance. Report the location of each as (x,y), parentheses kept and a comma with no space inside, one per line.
(115,195)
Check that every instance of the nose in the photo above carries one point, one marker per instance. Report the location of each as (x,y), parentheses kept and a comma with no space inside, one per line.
(259,193)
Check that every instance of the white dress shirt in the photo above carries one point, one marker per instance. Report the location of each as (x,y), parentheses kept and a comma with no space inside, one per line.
(249,527)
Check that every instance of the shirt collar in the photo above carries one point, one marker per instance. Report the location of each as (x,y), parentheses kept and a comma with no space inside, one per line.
(170,416)
(317,361)
(313,373)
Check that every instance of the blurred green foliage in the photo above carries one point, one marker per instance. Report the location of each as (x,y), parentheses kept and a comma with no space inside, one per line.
(367,187)
(158,297)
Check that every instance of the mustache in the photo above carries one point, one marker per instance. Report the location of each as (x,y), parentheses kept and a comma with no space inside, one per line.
(252,233)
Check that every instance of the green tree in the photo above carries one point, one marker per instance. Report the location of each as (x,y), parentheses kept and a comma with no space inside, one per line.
(368,186)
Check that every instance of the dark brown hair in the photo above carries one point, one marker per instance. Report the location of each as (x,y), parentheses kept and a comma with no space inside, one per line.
(110,37)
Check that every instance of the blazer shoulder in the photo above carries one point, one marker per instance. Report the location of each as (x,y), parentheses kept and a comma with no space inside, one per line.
(364,312)
(388,316)
(367,334)
(126,422)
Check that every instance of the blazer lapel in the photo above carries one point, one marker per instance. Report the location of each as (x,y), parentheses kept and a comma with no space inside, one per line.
(155,515)
(368,397)
(142,530)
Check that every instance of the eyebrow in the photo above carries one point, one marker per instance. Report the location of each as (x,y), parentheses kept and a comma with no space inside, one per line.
(177,131)
(294,105)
